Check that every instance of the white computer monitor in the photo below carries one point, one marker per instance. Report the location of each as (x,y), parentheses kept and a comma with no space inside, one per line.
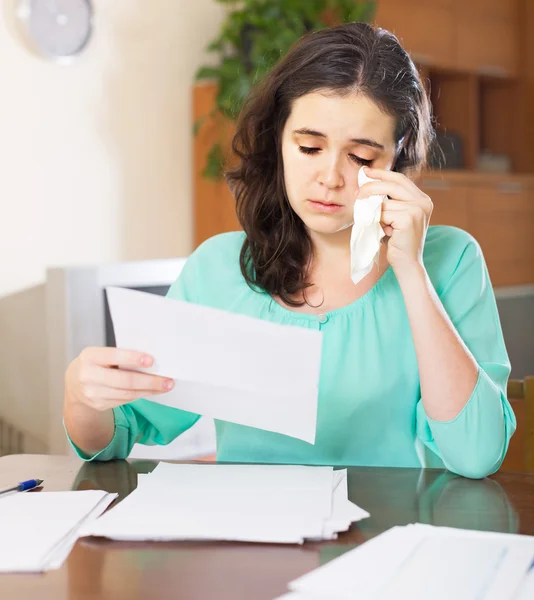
(78,316)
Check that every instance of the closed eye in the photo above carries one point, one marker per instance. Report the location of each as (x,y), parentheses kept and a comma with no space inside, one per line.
(360,161)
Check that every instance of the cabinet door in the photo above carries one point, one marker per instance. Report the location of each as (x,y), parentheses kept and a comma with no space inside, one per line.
(495,9)
(488,37)
(502,222)
(214,204)
(426,29)
(450,203)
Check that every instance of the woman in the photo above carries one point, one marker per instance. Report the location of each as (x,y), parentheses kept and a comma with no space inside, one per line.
(414,367)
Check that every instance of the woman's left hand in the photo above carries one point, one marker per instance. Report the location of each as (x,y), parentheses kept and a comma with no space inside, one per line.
(405,215)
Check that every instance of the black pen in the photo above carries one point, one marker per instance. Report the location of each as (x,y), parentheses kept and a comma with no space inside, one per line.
(23,486)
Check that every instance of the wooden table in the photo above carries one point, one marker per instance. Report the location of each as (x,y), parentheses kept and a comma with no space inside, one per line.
(100,569)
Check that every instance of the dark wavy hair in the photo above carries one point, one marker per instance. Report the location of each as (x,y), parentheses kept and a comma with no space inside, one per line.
(352,57)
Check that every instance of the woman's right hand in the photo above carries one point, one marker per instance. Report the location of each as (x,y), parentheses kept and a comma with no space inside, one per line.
(102,378)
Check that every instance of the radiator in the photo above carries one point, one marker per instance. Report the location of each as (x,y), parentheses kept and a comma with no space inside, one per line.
(11,439)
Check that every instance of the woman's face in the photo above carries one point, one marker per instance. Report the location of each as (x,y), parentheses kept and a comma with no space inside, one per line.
(325,142)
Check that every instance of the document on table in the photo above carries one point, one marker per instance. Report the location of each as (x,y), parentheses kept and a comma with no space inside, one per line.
(38,530)
(526,591)
(420,562)
(251,503)
(225,366)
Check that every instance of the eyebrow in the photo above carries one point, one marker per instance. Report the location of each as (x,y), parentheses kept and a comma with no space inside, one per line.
(360,141)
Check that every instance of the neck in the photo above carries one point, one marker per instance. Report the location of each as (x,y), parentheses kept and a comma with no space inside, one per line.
(331,249)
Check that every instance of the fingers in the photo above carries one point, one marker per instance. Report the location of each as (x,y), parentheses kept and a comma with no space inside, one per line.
(388,230)
(413,208)
(395,219)
(417,211)
(103,378)
(104,398)
(403,219)
(116,357)
(401,205)
(102,387)
(393,176)
(395,182)
(384,188)
(122,379)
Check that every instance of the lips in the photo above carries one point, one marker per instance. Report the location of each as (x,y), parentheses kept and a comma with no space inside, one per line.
(325,203)
(325,207)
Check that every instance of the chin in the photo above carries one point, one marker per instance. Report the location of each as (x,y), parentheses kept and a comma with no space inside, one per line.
(323,223)
(327,226)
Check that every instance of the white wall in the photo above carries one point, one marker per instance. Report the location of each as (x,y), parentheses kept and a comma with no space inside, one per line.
(96,165)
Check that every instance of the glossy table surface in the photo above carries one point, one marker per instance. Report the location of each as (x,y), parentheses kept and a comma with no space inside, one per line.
(101,569)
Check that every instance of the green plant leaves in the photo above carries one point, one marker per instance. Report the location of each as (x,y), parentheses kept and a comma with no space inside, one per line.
(207,73)
(214,162)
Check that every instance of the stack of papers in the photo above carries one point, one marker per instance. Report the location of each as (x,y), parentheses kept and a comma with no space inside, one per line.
(38,530)
(420,562)
(225,366)
(248,503)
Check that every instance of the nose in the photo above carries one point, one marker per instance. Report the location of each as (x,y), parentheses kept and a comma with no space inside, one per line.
(330,174)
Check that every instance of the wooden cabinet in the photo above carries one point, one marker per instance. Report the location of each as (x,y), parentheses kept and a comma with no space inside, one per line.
(426,29)
(502,220)
(472,35)
(487,45)
(450,202)
(214,205)
(494,9)
(497,210)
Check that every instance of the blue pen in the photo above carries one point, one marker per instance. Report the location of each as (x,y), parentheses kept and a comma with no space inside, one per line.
(23,486)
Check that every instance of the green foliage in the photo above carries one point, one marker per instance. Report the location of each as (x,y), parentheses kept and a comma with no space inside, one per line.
(253,38)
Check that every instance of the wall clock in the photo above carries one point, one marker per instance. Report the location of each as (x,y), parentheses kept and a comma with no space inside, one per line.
(56,29)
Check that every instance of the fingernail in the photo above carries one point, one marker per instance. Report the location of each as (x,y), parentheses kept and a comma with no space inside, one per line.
(168,385)
(146,361)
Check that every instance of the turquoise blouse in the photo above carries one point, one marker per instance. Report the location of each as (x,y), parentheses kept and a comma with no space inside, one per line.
(370,410)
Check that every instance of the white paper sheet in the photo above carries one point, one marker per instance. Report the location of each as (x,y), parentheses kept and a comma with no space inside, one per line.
(263,478)
(258,503)
(225,366)
(421,561)
(443,567)
(360,573)
(520,553)
(344,512)
(526,590)
(38,530)
(59,554)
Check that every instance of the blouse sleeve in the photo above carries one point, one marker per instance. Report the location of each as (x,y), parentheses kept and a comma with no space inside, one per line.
(474,443)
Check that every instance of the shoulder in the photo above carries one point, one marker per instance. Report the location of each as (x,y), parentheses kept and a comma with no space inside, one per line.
(449,250)
(212,271)
(218,257)
(220,248)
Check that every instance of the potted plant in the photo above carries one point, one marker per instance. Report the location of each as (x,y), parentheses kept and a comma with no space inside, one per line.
(253,37)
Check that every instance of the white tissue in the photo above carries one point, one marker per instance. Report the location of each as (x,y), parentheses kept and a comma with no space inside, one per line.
(366,232)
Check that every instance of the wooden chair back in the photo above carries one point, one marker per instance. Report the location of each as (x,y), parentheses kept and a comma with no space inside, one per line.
(520,456)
